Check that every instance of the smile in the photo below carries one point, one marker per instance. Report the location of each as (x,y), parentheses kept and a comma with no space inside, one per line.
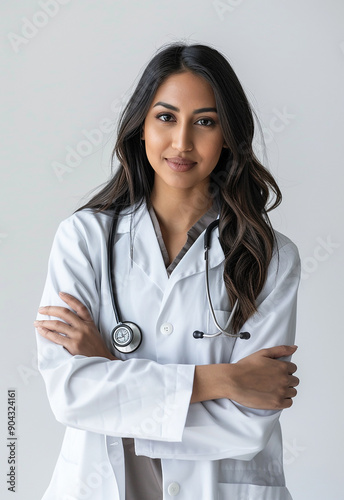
(180,164)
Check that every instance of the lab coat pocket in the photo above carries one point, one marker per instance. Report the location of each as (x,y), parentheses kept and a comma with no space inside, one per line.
(216,349)
(252,492)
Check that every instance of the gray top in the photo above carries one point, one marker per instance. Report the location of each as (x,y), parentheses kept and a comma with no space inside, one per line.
(192,236)
(143,476)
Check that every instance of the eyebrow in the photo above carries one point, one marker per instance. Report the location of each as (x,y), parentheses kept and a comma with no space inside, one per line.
(173,108)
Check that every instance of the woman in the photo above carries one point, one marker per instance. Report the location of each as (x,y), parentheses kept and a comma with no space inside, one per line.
(179,416)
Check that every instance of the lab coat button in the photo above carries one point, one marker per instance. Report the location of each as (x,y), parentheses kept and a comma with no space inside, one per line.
(166,328)
(173,489)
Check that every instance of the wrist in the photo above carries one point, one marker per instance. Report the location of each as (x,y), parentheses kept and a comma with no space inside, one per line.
(211,382)
(111,357)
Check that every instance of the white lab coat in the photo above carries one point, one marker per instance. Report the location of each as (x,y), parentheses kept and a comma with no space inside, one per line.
(212,450)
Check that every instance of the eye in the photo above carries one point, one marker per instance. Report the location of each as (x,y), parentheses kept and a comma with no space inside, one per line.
(165,117)
(206,122)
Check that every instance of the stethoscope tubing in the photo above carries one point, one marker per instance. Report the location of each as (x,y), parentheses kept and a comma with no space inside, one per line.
(110,265)
(243,335)
(133,328)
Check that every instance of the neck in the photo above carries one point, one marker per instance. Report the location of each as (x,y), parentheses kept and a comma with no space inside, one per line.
(178,210)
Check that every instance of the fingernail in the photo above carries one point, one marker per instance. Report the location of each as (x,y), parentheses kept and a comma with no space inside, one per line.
(36,323)
(41,309)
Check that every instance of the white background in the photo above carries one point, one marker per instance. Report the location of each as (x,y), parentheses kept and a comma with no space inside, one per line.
(73,72)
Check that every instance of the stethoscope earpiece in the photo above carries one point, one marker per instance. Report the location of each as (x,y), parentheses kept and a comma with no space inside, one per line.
(201,335)
(245,335)
(198,335)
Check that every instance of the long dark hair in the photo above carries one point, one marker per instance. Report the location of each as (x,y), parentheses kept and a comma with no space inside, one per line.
(240,183)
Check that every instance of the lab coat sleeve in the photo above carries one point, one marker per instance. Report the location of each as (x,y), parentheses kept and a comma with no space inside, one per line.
(222,428)
(94,393)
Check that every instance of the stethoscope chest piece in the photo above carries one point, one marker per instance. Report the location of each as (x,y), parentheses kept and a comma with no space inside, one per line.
(126,337)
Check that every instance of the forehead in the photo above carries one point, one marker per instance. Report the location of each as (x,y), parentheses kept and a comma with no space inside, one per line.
(186,88)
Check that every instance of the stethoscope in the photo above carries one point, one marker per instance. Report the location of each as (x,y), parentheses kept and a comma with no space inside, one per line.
(126,337)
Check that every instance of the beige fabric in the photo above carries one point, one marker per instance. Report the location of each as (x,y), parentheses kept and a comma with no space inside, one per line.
(143,476)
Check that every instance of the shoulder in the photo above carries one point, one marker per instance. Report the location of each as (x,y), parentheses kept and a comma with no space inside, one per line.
(90,224)
(284,269)
(285,248)
(85,224)
(285,259)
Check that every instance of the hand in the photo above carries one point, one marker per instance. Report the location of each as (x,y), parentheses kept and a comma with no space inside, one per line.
(80,335)
(263,381)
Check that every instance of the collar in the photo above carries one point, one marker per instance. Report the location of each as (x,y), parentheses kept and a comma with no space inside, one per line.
(147,255)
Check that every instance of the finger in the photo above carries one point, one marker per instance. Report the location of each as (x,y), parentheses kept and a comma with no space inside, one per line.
(291,393)
(78,306)
(293,381)
(288,402)
(291,367)
(63,313)
(53,336)
(54,326)
(279,351)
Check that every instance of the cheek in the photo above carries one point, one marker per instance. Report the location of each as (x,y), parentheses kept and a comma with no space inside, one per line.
(154,142)
(212,149)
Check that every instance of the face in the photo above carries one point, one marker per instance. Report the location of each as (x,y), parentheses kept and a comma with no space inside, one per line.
(182,133)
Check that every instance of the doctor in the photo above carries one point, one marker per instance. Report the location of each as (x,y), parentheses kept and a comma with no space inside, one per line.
(178,417)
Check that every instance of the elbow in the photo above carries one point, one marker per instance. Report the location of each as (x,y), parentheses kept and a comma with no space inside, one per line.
(262,435)
(257,428)
(60,392)
(61,403)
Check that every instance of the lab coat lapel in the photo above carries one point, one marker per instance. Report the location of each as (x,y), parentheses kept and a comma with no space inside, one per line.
(146,251)
(193,261)
(147,254)
(215,253)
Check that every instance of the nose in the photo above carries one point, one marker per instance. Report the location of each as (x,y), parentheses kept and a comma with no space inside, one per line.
(182,138)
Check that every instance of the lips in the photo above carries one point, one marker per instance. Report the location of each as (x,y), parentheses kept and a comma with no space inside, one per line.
(179,164)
